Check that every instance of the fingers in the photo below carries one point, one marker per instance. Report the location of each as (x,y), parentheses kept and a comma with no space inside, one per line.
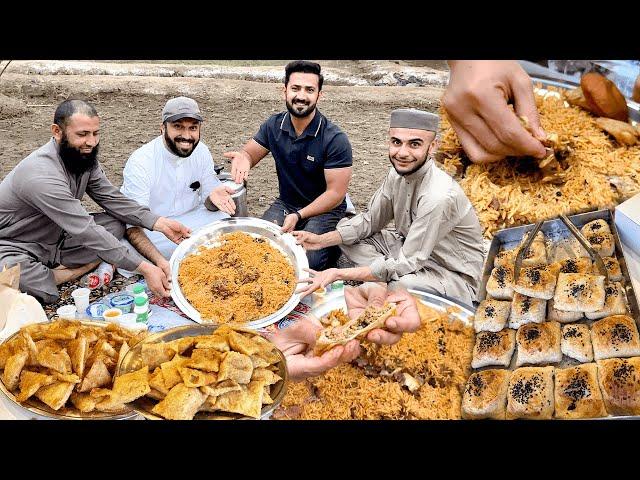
(408,322)
(525,105)
(231,155)
(382,337)
(376,294)
(507,128)
(474,150)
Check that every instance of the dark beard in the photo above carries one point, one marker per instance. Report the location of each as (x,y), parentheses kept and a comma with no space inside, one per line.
(296,114)
(174,148)
(75,161)
(414,169)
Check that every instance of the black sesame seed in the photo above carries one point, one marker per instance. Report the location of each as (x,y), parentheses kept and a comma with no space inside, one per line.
(620,333)
(532,333)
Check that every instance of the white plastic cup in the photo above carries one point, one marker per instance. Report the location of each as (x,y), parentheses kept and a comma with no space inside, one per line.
(67,311)
(81,298)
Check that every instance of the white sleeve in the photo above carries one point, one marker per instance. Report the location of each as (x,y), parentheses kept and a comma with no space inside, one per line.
(209,179)
(136,183)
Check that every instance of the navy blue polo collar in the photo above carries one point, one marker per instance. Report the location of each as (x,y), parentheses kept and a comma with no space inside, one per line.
(312,129)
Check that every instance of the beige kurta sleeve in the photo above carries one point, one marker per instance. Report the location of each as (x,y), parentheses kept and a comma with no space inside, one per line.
(436,218)
(377,216)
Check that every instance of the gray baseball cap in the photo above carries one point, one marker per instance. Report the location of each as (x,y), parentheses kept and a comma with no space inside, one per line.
(180,107)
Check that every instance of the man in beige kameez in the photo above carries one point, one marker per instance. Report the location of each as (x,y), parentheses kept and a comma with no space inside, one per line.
(437,240)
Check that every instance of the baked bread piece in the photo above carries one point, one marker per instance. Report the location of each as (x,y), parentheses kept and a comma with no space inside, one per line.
(536,282)
(491,315)
(493,348)
(530,393)
(577,394)
(613,268)
(575,265)
(595,227)
(578,251)
(485,394)
(615,336)
(561,316)
(526,310)
(505,257)
(500,283)
(576,292)
(535,255)
(619,381)
(602,243)
(615,302)
(538,343)
(539,238)
(576,342)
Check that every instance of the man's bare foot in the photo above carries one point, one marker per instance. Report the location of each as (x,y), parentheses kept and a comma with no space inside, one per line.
(66,274)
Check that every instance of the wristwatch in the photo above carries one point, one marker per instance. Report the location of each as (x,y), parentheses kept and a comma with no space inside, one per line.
(298,214)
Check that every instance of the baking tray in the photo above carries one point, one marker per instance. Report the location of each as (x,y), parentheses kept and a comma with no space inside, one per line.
(334,300)
(39,408)
(209,235)
(133,361)
(556,231)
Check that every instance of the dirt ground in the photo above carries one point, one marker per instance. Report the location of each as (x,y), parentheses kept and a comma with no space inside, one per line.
(130,106)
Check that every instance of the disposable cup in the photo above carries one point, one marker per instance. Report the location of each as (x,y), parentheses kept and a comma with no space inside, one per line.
(67,311)
(81,298)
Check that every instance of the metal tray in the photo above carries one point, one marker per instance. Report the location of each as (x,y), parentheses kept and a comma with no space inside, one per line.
(555,231)
(133,361)
(255,227)
(335,301)
(39,408)
(634,107)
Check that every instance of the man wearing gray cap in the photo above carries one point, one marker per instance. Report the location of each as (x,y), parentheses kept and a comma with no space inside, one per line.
(437,240)
(174,176)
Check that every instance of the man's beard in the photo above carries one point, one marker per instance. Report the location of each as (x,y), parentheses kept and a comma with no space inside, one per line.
(74,160)
(415,168)
(305,113)
(174,148)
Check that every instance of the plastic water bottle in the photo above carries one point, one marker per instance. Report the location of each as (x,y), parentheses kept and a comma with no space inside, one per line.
(141,309)
(99,277)
(105,272)
(91,280)
(138,291)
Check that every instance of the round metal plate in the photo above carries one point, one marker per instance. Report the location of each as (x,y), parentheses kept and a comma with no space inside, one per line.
(39,408)
(133,361)
(209,235)
(335,300)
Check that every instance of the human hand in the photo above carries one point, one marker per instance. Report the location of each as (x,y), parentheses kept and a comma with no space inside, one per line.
(240,165)
(163,265)
(317,280)
(297,342)
(308,240)
(172,229)
(406,319)
(156,279)
(290,222)
(476,101)
(221,198)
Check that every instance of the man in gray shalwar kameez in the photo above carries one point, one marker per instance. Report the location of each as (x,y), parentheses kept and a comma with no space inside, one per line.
(437,240)
(45,228)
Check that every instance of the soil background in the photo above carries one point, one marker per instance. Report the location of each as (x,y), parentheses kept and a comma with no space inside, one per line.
(130,104)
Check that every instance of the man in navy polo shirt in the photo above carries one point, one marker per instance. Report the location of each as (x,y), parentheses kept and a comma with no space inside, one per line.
(313,161)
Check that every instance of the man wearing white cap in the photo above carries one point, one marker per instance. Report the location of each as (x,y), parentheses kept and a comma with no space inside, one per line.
(437,240)
(174,174)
